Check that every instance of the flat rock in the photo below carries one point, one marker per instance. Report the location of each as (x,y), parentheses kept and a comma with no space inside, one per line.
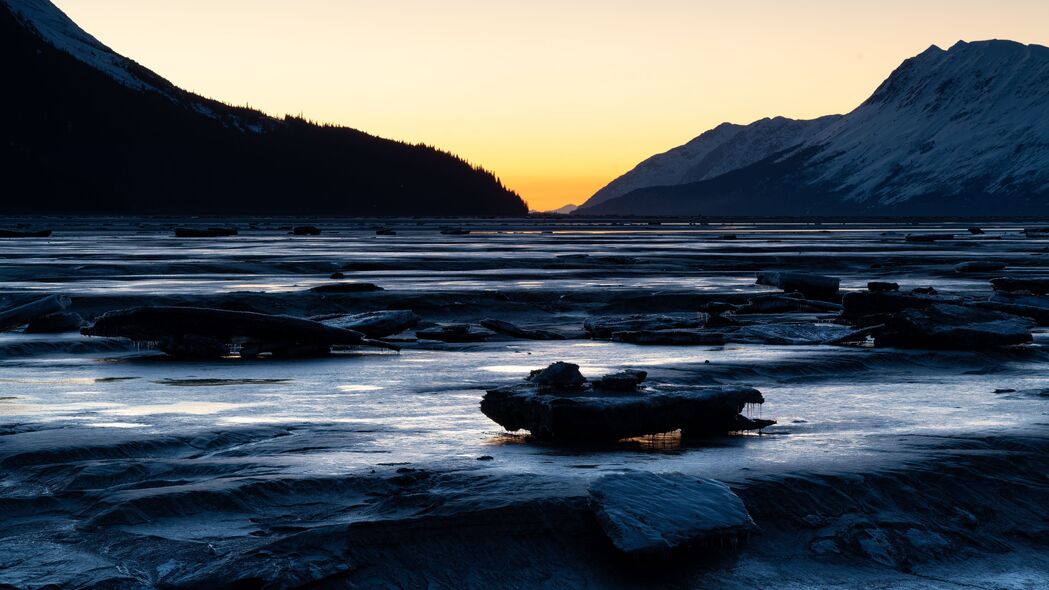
(590,415)
(810,285)
(789,334)
(882,286)
(670,337)
(1036,286)
(454,333)
(509,329)
(647,514)
(954,327)
(346,288)
(864,303)
(604,327)
(980,266)
(376,324)
(209,232)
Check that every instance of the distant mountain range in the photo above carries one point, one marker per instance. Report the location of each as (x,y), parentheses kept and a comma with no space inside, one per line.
(961,132)
(89,131)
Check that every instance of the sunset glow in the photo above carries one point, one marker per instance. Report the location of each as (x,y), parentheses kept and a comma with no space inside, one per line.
(556,98)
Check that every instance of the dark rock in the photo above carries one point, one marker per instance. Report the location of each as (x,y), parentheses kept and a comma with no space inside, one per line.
(202,332)
(56,323)
(720,321)
(559,376)
(788,334)
(1036,286)
(305,230)
(944,326)
(628,380)
(509,329)
(976,231)
(211,232)
(882,286)
(924,291)
(728,237)
(980,266)
(14,233)
(653,514)
(604,327)
(376,324)
(858,304)
(455,231)
(385,231)
(786,303)
(588,415)
(337,276)
(928,238)
(454,333)
(810,285)
(670,337)
(23,314)
(718,307)
(346,288)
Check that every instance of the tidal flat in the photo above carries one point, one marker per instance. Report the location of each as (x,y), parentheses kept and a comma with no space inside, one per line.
(889,466)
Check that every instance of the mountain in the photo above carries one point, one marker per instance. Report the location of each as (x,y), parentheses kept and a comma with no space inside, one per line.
(959,132)
(564,210)
(89,131)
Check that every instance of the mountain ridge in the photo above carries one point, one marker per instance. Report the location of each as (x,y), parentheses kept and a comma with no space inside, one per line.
(96,133)
(970,122)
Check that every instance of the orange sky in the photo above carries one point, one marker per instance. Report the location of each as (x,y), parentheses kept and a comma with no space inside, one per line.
(556,97)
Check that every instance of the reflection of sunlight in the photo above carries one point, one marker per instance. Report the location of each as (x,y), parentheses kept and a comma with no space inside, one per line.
(193,408)
(353,388)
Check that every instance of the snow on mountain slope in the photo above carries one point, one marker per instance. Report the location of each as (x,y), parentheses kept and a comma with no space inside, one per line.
(725,148)
(975,116)
(969,124)
(60,31)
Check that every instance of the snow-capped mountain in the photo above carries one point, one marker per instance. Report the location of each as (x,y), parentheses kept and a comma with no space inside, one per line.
(963,131)
(90,131)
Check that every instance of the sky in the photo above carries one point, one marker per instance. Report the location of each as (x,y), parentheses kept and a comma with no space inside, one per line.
(556,97)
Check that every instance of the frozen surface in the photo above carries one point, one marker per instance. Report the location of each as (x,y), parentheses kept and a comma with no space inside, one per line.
(118,460)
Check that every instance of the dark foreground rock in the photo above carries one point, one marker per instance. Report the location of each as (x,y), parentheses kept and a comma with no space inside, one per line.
(867,303)
(592,415)
(649,514)
(346,288)
(55,323)
(210,232)
(954,327)
(1037,286)
(810,285)
(558,376)
(628,380)
(305,230)
(454,333)
(375,324)
(208,333)
(14,233)
(501,327)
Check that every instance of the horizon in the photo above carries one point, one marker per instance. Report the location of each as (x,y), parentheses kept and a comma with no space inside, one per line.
(555,121)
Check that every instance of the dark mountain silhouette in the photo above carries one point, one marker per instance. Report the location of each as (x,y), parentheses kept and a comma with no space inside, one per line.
(87,131)
(961,132)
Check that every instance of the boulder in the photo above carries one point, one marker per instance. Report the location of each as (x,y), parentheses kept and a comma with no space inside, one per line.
(648,514)
(55,323)
(558,376)
(858,304)
(928,238)
(385,231)
(811,285)
(208,333)
(976,231)
(979,266)
(604,327)
(376,324)
(943,326)
(628,380)
(670,337)
(592,415)
(509,329)
(337,276)
(305,230)
(454,333)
